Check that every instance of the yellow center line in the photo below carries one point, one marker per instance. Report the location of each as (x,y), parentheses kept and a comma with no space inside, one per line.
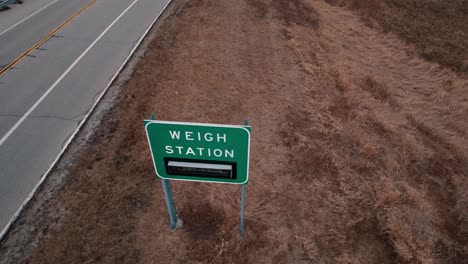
(44,39)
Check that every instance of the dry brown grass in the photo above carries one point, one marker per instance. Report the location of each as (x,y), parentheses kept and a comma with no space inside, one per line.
(358,148)
(438,28)
(408,219)
(364,6)
(379,91)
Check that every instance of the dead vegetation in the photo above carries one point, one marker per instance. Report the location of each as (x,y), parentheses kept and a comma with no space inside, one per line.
(359,148)
(438,28)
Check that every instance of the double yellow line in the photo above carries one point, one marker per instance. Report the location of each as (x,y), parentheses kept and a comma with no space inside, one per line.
(44,39)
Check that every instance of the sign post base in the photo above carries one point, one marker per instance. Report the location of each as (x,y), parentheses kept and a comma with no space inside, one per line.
(241,228)
(175,222)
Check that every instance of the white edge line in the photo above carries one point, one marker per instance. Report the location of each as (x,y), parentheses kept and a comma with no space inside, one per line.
(198,124)
(28,17)
(65,147)
(62,76)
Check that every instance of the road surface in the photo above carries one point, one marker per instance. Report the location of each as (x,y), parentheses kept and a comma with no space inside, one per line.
(56,58)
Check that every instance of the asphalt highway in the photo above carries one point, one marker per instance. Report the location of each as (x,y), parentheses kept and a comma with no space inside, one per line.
(57,57)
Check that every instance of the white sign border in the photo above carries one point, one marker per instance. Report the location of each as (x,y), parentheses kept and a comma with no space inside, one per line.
(149,122)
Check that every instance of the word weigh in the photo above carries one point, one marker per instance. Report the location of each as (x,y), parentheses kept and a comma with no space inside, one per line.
(198,151)
(190,136)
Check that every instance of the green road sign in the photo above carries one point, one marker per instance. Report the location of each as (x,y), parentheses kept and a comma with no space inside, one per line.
(199,152)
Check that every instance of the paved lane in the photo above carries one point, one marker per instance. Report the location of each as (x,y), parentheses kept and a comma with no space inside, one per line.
(23,36)
(72,70)
(19,12)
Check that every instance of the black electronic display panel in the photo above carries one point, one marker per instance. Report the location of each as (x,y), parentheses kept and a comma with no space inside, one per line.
(201,168)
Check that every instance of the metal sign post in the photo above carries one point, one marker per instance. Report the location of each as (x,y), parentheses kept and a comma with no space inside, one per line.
(175,222)
(241,228)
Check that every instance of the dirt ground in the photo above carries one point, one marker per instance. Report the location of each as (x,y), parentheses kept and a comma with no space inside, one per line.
(359,115)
